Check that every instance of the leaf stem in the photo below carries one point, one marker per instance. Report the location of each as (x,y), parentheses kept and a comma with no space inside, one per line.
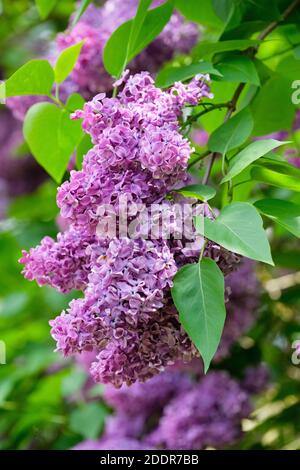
(57,101)
(202,250)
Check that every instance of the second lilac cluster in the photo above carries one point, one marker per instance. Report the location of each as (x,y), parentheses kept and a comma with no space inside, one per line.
(180,409)
(96,25)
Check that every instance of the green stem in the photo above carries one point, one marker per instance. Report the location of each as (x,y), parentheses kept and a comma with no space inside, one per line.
(58,102)
(115,91)
(199,157)
(195,117)
(202,250)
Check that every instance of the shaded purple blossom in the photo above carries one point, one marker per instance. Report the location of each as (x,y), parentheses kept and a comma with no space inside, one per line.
(257,379)
(149,397)
(208,415)
(21,174)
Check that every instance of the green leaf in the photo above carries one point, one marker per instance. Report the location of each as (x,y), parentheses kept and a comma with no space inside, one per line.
(223,9)
(70,133)
(275,179)
(82,7)
(248,155)
(198,191)
(278,164)
(74,382)
(285,213)
(238,68)
(137,22)
(42,133)
(82,149)
(154,23)
(208,49)
(169,75)
(36,77)
(232,133)
(115,50)
(66,62)
(88,421)
(239,229)
(74,102)
(203,316)
(45,7)
(116,56)
(199,12)
(274,98)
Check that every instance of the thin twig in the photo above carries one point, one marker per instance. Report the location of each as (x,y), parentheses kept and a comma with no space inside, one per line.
(276,23)
(195,117)
(200,157)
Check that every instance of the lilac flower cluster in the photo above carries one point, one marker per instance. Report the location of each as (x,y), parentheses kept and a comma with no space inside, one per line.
(94,28)
(257,379)
(208,415)
(176,410)
(127,315)
(138,150)
(97,25)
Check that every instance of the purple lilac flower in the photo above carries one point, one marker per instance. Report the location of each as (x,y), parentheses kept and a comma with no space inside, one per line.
(138,150)
(257,379)
(96,26)
(200,137)
(64,264)
(208,415)
(293,157)
(149,397)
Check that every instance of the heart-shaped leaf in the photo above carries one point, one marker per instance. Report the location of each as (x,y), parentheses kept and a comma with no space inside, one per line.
(66,62)
(45,6)
(36,77)
(120,49)
(203,316)
(239,229)
(50,135)
(238,68)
